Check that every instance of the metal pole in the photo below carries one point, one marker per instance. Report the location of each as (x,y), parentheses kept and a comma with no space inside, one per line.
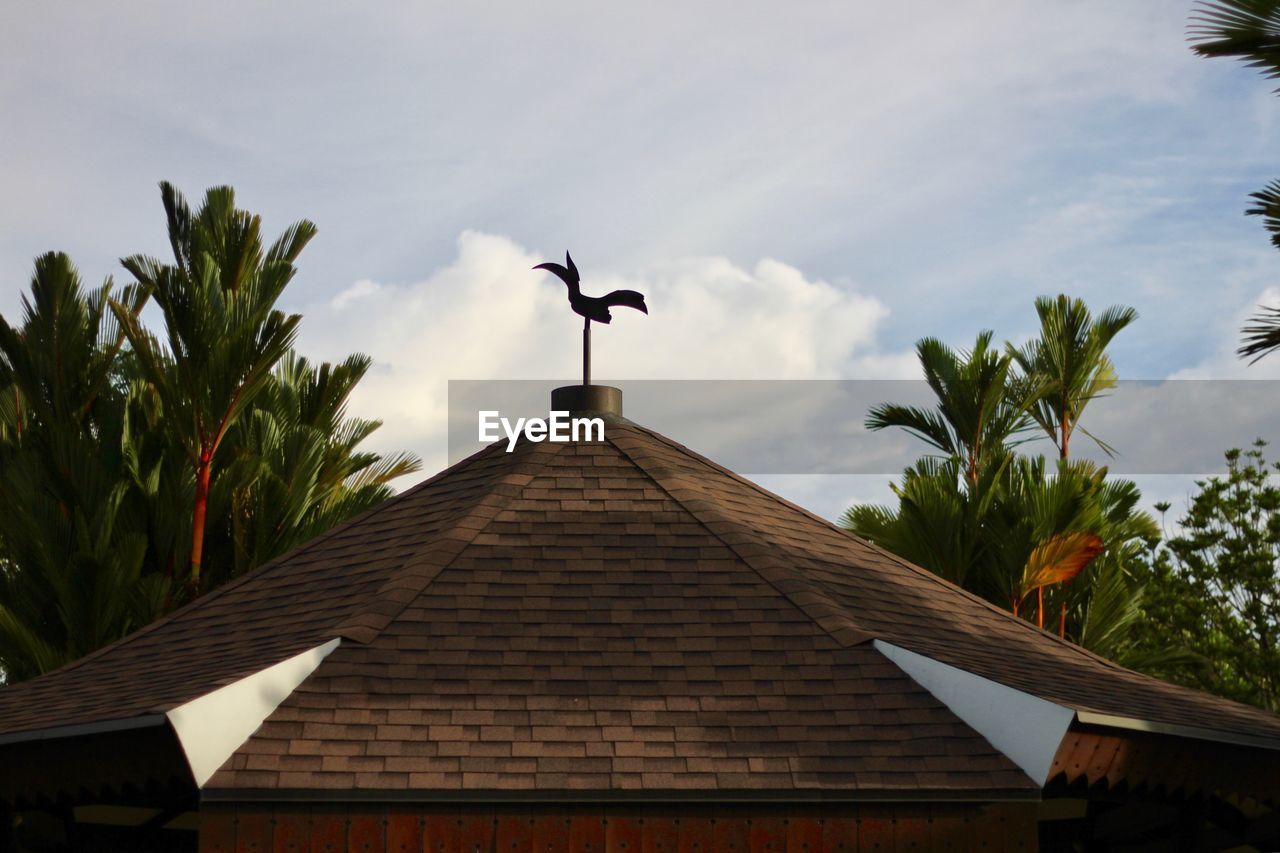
(586,351)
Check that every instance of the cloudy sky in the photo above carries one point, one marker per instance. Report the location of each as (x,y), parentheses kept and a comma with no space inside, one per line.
(802,189)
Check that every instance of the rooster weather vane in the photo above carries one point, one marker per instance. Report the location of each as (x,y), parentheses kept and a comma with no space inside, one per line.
(591,307)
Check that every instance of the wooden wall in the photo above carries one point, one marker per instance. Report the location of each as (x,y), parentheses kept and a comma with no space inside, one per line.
(729,828)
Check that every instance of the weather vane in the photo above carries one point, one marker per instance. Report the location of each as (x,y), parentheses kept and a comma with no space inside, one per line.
(591,307)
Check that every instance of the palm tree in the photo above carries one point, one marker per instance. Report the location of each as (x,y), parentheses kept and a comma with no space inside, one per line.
(72,552)
(940,523)
(59,364)
(998,524)
(977,413)
(1248,30)
(224,333)
(1069,363)
(1261,335)
(943,503)
(1245,29)
(108,438)
(1045,530)
(295,469)
(1022,535)
(1107,603)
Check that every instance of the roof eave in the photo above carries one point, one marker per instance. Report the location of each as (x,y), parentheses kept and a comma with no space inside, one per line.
(1114,721)
(684,795)
(82,729)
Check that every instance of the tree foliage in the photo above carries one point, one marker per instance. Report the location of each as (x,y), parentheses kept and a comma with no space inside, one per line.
(1214,587)
(1069,361)
(223,331)
(1242,29)
(73,540)
(1248,30)
(1017,529)
(976,414)
(140,469)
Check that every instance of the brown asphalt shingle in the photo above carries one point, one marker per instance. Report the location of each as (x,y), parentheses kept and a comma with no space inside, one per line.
(618,615)
(332,586)
(902,604)
(611,643)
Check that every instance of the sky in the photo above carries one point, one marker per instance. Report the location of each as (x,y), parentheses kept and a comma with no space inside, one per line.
(801,190)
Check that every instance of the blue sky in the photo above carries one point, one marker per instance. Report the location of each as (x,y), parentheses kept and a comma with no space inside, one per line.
(802,189)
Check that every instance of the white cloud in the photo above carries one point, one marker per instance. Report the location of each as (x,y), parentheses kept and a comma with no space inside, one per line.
(360,290)
(488,315)
(1224,363)
(954,158)
(850,133)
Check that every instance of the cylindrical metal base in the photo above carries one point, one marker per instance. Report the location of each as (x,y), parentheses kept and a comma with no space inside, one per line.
(597,399)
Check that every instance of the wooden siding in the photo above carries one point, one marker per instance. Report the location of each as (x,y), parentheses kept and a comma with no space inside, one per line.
(736,828)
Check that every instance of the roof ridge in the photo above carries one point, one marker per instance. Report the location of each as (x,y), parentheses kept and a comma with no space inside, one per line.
(271,564)
(901,561)
(808,596)
(412,577)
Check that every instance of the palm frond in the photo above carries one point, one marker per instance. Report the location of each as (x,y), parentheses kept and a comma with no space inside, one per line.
(928,426)
(1245,29)
(1267,205)
(1262,334)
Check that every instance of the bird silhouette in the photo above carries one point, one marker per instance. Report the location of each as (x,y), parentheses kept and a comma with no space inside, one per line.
(592,307)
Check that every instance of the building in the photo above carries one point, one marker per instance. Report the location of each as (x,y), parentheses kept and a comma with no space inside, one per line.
(617,645)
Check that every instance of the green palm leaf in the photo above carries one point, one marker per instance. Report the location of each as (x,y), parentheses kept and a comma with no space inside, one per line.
(1245,29)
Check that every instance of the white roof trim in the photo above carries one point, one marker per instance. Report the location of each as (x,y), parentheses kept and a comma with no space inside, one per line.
(1025,728)
(216,724)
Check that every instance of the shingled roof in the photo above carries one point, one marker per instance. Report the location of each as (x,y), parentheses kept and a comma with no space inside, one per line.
(617,617)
